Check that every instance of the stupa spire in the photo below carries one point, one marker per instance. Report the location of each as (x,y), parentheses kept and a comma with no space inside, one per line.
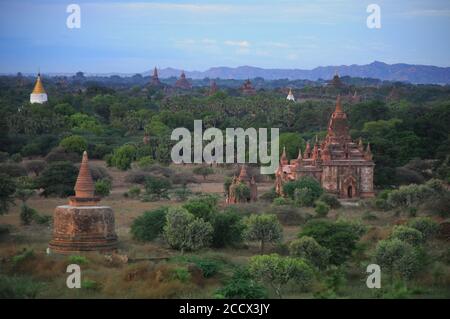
(84,187)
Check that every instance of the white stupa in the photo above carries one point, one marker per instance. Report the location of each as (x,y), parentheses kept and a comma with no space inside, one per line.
(38,95)
(290,96)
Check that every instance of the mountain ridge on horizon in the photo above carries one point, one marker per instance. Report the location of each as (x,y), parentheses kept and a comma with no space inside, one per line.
(403,72)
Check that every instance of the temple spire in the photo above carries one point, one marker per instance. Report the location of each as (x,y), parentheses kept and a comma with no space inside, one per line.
(338,105)
(84,187)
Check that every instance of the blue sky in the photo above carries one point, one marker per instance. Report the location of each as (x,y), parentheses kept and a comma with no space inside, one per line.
(131,37)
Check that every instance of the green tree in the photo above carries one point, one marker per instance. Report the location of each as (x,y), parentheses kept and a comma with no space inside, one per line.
(264,228)
(306,182)
(185,232)
(103,187)
(203,171)
(7,190)
(427,226)
(308,248)
(149,225)
(157,187)
(321,208)
(407,234)
(293,143)
(58,179)
(228,229)
(123,157)
(338,237)
(74,143)
(277,271)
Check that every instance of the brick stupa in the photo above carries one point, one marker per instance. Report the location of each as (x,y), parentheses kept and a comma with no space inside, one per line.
(83,225)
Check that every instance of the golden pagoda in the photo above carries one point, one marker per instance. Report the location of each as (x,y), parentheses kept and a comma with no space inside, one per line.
(38,95)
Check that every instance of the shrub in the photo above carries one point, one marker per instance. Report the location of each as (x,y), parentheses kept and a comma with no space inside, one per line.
(241,286)
(99,151)
(74,143)
(182,193)
(102,187)
(185,232)
(202,207)
(58,179)
(182,178)
(264,228)
(157,187)
(407,234)
(137,177)
(76,259)
(16,158)
(269,196)
(123,157)
(27,215)
(338,237)
(397,257)
(12,169)
(309,249)
(315,190)
(303,197)
(134,192)
(145,161)
(98,173)
(149,225)
(427,226)
(228,229)
(288,215)
(203,171)
(208,267)
(321,208)
(89,284)
(330,200)
(7,190)
(281,201)
(277,271)
(14,287)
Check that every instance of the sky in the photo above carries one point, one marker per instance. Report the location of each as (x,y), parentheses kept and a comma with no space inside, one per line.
(133,37)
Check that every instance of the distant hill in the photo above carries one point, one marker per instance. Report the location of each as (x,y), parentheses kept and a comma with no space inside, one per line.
(417,74)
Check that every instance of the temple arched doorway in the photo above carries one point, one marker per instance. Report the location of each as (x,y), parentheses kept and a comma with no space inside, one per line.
(350,192)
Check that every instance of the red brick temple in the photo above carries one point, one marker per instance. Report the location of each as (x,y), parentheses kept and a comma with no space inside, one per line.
(183,83)
(247,88)
(246,180)
(343,168)
(83,225)
(155,79)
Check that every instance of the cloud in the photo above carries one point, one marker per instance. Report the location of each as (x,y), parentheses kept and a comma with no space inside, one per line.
(428,13)
(240,44)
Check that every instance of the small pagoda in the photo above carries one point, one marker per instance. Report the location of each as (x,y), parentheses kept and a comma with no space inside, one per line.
(243,178)
(183,83)
(155,79)
(83,225)
(247,88)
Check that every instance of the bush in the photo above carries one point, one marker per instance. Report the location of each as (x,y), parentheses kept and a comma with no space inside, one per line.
(102,187)
(264,228)
(281,201)
(76,259)
(277,271)
(182,178)
(303,197)
(309,249)
(16,158)
(12,169)
(58,179)
(7,191)
(27,215)
(59,154)
(330,200)
(338,237)
(407,234)
(269,196)
(123,157)
(202,207)
(13,287)
(315,190)
(98,173)
(134,192)
(427,226)
(185,232)
(137,177)
(228,229)
(74,143)
(182,194)
(241,286)
(288,215)
(321,209)
(397,257)
(99,151)
(145,161)
(149,225)
(203,171)
(158,187)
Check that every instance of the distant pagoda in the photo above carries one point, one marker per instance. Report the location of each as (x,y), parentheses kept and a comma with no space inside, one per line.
(213,88)
(154,79)
(247,88)
(38,95)
(182,82)
(83,225)
(290,96)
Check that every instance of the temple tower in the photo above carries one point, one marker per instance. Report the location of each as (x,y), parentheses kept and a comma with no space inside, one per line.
(38,95)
